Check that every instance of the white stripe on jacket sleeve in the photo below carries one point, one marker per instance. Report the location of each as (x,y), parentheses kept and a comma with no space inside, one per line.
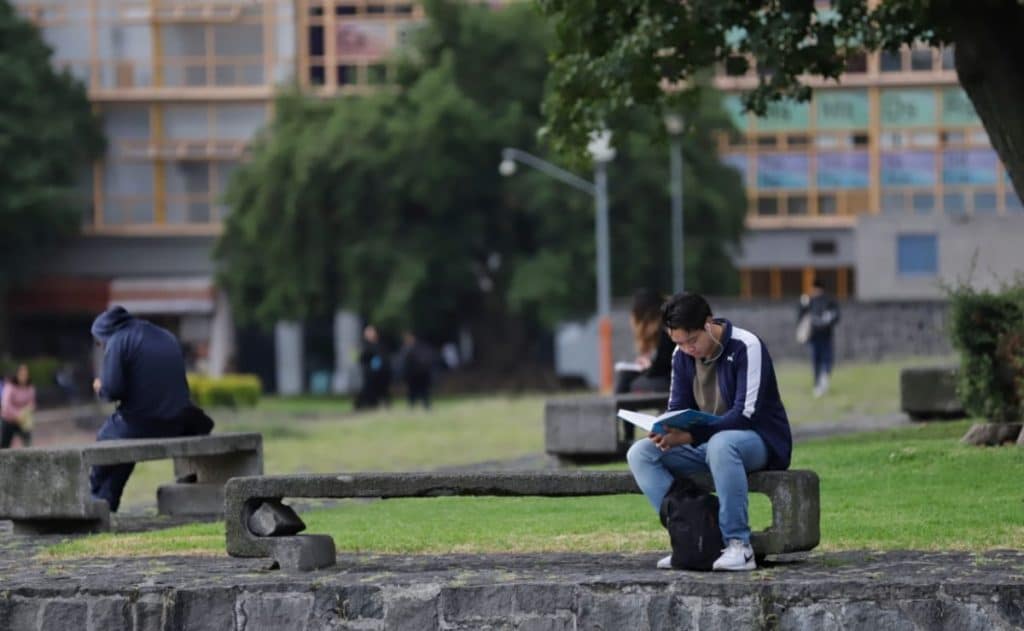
(753,368)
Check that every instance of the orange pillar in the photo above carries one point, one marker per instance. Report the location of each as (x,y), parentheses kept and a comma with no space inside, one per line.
(604,333)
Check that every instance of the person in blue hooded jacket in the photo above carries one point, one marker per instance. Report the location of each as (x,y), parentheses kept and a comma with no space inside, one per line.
(726,371)
(144,372)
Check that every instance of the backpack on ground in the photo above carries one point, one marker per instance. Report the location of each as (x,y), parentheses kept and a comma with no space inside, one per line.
(691,517)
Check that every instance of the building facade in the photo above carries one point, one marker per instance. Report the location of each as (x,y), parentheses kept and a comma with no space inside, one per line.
(895,143)
(182,88)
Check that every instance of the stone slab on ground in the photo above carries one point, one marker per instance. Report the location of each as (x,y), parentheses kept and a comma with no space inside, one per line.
(852,590)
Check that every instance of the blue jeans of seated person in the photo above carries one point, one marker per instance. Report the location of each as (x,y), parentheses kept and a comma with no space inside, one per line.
(107,481)
(729,456)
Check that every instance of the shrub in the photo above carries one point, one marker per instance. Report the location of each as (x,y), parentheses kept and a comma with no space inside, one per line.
(43,370)
(988,330)
(227,391)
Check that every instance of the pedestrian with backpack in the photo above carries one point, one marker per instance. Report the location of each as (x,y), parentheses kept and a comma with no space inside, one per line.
(726,371)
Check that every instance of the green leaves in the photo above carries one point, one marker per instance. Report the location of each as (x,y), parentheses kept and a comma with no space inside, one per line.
(48,137)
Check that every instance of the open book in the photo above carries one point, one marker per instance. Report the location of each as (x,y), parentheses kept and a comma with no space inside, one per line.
(678,419)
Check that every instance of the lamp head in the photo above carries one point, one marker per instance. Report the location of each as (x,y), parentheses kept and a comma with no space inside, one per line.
(507,167)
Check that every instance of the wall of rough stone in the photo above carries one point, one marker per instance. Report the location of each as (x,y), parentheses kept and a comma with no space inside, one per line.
(548,606)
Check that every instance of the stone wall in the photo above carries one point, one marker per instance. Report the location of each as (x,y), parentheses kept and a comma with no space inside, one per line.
(891,591)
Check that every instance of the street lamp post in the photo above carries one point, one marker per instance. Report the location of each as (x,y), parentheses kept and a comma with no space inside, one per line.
(602,153)
(674,126)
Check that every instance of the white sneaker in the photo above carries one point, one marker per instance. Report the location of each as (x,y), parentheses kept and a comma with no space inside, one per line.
(666,563)
(737,556)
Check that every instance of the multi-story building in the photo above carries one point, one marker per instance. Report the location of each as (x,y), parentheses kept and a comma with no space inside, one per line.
(182,87)
(883,185)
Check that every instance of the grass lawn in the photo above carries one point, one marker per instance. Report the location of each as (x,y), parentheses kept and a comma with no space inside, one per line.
(322,435)
(913,488)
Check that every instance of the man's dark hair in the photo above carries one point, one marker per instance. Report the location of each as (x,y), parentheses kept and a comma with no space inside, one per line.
(647,305)
(686,311)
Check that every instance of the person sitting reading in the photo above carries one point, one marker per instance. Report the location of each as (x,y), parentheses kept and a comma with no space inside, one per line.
(726,371)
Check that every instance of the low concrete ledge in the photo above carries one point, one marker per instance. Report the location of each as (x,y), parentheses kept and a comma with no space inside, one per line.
(794,497)
(578,428)
(53,494)
(929,392)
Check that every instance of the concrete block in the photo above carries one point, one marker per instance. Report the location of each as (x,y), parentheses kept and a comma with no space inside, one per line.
(274,519)
(61,615)
(110,614)
(587,426)
(190,499)
(930,392)
(261,611)
(303,553)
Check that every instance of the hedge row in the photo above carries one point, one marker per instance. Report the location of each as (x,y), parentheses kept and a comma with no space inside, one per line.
(227,391)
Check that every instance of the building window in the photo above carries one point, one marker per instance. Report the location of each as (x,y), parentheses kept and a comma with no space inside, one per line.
(857,62)
(917,255)
(823,247)
(767,206)
(924,203)
(947,58)
(891,61)
(827,204)
(953,203)
(921,59)
(984,202)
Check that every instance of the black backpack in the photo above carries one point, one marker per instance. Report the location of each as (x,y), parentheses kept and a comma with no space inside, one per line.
(691,517)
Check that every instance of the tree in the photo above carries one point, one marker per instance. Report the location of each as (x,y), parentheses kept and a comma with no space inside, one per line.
(613,55)
(392,205)
(48,136)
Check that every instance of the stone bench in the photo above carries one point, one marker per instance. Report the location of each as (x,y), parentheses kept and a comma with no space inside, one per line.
(929,392)
(46,490)
(578,429)
(258,524)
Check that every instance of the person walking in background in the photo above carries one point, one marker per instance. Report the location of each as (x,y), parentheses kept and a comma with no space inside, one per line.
(726,371)
(376,371)
(650,371)
(417,361)
(144,371)
(817,317)
(17,406)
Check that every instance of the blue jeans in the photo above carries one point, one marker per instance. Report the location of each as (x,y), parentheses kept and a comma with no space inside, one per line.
(728,456)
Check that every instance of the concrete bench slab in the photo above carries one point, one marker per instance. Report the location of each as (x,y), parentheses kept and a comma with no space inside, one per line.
(929,392)
(586,427)
(52,491)
(794,497)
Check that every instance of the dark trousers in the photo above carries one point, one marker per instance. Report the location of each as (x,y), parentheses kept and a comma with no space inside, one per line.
(821,357)
(108,481)
(418,390)
(9,430)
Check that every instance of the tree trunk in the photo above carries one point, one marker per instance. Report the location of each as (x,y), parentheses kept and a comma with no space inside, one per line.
(992,434)
(989,57)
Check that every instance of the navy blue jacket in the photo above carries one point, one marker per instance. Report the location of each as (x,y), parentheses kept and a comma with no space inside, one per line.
(746,377)
(143,368)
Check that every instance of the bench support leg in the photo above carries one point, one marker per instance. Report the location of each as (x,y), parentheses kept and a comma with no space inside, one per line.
(303,553)
(190,499)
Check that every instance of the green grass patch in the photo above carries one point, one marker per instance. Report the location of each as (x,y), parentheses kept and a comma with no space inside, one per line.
(913,488)
(310,434)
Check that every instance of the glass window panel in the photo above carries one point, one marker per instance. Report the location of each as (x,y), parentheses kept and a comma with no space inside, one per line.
(1013,203)
(891,140)
(238,40)
(985,202)
(947,58)
(199,212)
(188,178)
(316,41)
(239,121)
(141,213)
(348,75)
(857,62)
(917,254)
(128,179)
(767,206)
(184,40)
(121,122)
(924,139)
(797,205)
(828,204)
(195,75)
(890,61)
(316,75)
(860,140)
(923,203)
(251,74)
(893,202)
(186,122)
(953,137)
(176,212)
(792,282)
(908,107)
(921,60)
(954,203)
(225,75)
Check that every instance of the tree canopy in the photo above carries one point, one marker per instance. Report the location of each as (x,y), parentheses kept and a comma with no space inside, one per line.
(391,204)
(48,137)
(614,55)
